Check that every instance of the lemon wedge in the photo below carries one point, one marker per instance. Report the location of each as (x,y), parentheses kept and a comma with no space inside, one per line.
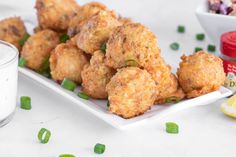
(229,107)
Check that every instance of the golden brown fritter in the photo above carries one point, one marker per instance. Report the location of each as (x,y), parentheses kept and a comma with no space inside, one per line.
(96,76)
(12,30)
(83,15)
(167,83)
(67,61)
(38,47)
(55,14)
(200,73)
(97,31)
(131,42)
(131,92)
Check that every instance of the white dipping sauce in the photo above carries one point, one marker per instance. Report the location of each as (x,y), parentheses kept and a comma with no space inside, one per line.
(8,80)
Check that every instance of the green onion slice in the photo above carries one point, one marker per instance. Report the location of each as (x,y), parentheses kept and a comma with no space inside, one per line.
(131,62)
(99,148)
(64,37)
(104,47)
(67,155)
(68,84)
(211,48)
(22,62)
(25,102)
(83,96)
(24,39)
(172,128)
(200,36)
(198,49)
(44,135)
(181,29)
(174,46)
(108,104)
(173,99)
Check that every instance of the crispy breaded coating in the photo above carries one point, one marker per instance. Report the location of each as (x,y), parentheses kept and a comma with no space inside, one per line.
(83,15)
(56,14)
(12,30)
(200,73)
(38,47)
(131,92)
(96,76)
(131,41)
(67,61)
(97,31)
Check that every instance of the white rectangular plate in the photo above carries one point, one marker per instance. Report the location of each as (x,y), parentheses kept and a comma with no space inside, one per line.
(98,107)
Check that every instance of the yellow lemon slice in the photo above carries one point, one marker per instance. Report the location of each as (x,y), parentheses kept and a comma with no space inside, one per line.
(229,107)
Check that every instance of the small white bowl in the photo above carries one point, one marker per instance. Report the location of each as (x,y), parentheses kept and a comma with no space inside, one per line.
(214,24)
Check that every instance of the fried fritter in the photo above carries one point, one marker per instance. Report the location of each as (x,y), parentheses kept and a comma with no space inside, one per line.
(67,61)
(96,76)
(12,30)
(38,47)
(131,92)
(97,31)
(83,15)
(56,14)
(131,42)
(200,73)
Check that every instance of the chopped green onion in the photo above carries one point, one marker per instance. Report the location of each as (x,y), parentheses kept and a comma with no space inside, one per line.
(83,96)
(181,29)
(44,135)
(104,47)
(198,49)
(67,155)
(131,62)
(99,148)
(173,99)
(22,62)
(172,128)
(25,102)
(24,39)
(108,104)
(64,37)
(174,46)
(211,48)
(200,36)
(68,84)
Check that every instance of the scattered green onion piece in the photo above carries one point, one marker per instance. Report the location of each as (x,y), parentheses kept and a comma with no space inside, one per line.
(22,62)
(45,67)
(108,104)
(198,49)
(173,99)
(64,37)
(172,128)
(174,46)
(99,148)
(211,48)
(25,102)
(83,96)
(104,47)
(68,84)
(131,62)
(67,155)
(44,135)
(181,29)
(200,36)
(24,39)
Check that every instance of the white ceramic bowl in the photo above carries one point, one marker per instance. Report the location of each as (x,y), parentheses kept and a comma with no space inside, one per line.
(214,24)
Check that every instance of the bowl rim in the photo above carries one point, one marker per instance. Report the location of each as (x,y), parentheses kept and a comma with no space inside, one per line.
(202,10)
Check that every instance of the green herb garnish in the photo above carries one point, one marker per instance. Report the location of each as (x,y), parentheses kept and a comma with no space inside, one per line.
(131,62)
(99,148)
(64,37)
(24,39)
(66,155)
(181,29)
(172,128)
(83,96)
(104,47)
(200,36)
(198,49)
(44,135)
(25,102)
(68,84)
(211,48)
(174,46)
(108,104)
(173,99)
(22,62)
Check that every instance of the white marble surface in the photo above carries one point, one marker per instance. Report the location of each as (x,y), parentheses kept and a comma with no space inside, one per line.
(204,131)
